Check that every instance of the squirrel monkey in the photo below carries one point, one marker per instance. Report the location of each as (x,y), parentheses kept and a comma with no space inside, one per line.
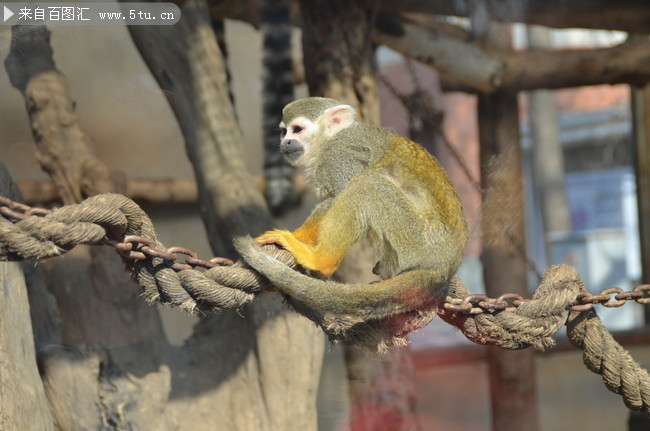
(374,183)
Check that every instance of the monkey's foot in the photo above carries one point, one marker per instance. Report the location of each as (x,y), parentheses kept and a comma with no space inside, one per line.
(275,236)
(287,241)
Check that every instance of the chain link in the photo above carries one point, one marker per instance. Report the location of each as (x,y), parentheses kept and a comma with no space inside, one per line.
(136,247)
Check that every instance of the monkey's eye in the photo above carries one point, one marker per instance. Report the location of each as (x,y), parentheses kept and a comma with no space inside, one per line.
(297,129)
(283,132)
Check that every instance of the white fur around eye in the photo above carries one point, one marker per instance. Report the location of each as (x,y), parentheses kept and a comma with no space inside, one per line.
(302,130)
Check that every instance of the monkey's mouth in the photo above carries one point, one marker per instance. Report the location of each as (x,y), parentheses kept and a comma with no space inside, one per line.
(292,155)
(291,152)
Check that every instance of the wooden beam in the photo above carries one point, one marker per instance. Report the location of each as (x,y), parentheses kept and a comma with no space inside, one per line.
(625,15)
(464,66)
(628,63)
(151,190)
(469,65)
(631,16)
(160,191)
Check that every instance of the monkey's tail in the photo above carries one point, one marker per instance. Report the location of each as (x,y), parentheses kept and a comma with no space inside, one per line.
(410,290)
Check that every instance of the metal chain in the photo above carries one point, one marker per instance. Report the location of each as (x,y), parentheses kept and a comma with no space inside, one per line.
(136,247)
(480,304)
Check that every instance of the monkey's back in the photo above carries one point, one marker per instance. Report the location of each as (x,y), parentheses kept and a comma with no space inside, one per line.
(420,221)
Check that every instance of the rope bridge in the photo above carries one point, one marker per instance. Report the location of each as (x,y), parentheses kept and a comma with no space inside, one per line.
(510,321)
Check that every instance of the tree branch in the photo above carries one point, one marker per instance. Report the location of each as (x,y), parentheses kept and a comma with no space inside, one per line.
(64,150)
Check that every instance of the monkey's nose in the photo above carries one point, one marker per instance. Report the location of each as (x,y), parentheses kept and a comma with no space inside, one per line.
(288,145)
(291,149)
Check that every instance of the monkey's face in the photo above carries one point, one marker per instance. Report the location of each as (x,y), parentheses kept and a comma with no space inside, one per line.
(297,139)
(300,136)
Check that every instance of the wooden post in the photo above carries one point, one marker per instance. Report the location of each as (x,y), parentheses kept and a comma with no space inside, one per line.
(512,374)
(641,120)
(548,158)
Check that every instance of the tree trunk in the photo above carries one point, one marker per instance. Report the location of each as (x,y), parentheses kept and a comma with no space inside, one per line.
(256,373)
(512,373)
(23,405)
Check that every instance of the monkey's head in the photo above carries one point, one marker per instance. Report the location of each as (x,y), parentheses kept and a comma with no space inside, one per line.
(308,123)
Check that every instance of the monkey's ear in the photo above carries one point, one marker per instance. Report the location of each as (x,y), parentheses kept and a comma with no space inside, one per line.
(338,118)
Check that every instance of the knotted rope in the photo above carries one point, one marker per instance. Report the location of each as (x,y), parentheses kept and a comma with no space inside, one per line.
(116,220)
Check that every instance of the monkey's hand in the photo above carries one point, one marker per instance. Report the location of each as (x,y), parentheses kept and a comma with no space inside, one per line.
(304,254)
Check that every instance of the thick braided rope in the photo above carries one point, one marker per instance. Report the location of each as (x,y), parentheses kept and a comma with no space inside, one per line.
(604,356)
(216,288)
(114,216)
(532,324)
(535,321)
(64,228)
